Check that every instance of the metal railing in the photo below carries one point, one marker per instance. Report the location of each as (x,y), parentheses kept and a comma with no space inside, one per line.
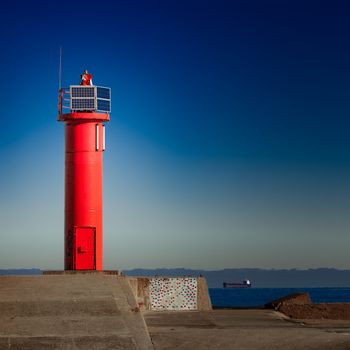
(63,100)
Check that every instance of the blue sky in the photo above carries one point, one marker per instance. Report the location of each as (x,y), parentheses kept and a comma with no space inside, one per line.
(228,144)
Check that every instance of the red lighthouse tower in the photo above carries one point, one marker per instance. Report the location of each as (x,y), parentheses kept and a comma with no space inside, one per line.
(87,109)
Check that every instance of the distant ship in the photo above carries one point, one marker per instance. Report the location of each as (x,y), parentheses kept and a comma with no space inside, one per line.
(244,284)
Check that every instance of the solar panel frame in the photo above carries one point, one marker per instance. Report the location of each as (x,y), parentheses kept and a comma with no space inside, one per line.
(104,90)
(82,98)
(87,98)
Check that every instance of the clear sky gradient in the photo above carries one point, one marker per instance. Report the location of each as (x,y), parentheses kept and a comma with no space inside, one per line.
(228,144)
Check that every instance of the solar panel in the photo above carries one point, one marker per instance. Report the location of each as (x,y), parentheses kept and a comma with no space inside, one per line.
(103,92)
(83,104)
(104,105)
(103,99)
(83,91)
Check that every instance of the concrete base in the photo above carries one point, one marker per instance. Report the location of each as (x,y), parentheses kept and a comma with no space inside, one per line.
(70,311)
(99,311)
(242,330)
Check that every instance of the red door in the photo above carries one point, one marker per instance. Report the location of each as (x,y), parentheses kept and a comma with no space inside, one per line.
(84,248)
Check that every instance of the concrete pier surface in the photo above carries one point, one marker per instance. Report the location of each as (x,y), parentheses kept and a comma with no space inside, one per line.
(79,311)
(243,330)
(100,311)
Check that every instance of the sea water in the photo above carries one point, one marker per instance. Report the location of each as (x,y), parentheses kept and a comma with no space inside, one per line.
(257,297)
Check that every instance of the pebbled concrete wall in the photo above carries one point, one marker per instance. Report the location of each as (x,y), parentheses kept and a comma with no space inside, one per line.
(171,293)
(177,293)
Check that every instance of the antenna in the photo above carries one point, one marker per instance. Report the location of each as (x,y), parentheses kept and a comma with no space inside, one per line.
(60,71)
